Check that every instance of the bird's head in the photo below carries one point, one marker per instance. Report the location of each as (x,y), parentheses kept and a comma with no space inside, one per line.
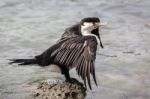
(91,25)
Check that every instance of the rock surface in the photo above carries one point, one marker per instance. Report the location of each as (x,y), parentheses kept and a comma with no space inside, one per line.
(57,89)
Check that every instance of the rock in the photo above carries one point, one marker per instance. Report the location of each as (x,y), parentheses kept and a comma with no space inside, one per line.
(56,89)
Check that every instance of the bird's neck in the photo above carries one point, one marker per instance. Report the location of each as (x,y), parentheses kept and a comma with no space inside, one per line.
(88,33)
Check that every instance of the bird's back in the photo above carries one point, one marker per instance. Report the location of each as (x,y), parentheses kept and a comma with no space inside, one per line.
(72,31)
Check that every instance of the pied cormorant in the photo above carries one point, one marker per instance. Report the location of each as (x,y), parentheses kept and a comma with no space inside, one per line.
(76,48)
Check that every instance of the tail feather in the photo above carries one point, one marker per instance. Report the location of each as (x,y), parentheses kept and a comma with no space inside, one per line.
(23,61)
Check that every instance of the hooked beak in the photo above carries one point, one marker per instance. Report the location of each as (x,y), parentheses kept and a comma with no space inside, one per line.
(103,23)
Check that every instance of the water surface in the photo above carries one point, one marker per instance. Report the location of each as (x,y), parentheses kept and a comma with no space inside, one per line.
(28,27)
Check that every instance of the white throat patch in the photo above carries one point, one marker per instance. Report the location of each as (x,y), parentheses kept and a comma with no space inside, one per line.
(86,32)
(88,26)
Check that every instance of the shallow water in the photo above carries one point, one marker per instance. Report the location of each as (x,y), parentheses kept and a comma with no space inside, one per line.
(28,27)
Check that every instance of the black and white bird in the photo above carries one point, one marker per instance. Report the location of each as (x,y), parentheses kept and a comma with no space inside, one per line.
(76,48)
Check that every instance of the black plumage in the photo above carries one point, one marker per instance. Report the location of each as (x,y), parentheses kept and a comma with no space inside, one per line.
(72,50)
(74,30)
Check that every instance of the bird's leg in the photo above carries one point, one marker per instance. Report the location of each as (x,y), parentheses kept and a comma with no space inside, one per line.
(71,80)
(65,71)
(67,75)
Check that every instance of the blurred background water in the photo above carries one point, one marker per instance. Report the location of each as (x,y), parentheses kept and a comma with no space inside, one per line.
(28,27)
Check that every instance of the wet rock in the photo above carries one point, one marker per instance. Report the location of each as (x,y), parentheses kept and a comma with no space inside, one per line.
(57,89)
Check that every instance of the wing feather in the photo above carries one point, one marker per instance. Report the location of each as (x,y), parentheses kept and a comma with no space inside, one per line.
(88,75)
(65,56)
(94,77)
(70,57)
(59,55)
(78,52)
(85,69)
(80,66)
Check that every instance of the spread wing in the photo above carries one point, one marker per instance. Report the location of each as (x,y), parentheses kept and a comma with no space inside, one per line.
(79,52)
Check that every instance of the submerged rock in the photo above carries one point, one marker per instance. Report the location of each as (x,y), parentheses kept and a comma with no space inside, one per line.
(60,90)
